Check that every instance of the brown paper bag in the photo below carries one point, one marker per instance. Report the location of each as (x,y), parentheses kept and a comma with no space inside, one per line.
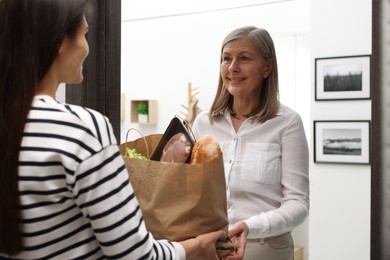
(178,200)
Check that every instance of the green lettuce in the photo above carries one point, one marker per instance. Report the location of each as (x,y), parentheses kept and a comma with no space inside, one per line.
(132,153)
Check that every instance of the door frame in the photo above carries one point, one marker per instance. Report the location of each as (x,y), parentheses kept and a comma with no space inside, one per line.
(377,223)
(101,89)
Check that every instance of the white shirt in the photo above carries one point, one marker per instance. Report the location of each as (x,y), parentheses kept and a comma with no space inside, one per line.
(266,170)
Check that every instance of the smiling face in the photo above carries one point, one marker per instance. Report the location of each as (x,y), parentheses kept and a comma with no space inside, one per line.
(72,54)
(243,69)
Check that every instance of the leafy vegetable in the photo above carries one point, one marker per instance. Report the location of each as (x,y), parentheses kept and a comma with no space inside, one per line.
(132,153)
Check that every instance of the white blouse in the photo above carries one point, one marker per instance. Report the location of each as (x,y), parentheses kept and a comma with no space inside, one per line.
(266,170)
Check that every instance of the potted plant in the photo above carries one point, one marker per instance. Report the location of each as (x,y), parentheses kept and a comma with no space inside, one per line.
(142,109)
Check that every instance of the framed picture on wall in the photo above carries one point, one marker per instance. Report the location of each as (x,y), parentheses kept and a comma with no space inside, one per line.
(342,142)
(342,78)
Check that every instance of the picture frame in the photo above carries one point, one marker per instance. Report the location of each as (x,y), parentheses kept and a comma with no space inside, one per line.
(347,142)
(343,78)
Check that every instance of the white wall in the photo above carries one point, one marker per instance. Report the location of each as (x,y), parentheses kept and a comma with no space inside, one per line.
(339,223)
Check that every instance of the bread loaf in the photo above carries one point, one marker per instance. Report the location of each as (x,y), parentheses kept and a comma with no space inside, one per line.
(205,149)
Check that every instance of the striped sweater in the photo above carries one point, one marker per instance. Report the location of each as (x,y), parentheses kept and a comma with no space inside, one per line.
(76,198)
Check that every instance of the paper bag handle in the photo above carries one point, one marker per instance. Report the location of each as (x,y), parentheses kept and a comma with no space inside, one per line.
(143,137)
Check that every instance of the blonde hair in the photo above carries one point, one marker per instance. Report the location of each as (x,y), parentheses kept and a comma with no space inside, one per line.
(269,96)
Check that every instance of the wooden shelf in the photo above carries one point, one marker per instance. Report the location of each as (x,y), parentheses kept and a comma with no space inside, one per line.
(152,107)
(298,253)
(123,106)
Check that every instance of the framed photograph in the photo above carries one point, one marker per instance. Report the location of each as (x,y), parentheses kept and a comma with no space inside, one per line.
(342,142)
(342,78)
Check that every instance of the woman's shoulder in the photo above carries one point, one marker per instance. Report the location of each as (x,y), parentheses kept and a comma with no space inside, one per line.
(203,119)
(87,115)
(82,117)
(287,111)
(202,115)
(289,116)
(65,111)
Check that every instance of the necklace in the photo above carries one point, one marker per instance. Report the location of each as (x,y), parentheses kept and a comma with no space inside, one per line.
(239,117)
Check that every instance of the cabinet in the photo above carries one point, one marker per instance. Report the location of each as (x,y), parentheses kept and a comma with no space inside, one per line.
(152,111)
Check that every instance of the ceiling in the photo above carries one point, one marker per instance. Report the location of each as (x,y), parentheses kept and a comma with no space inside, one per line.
(295,13)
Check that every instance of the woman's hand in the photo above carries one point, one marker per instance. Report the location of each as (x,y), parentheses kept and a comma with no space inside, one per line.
(203,246)
(238,235)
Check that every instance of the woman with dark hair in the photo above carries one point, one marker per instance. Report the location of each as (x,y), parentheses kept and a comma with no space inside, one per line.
(264,148)
(64,189)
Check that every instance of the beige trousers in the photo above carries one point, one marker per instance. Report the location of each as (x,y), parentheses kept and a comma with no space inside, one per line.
(271,248)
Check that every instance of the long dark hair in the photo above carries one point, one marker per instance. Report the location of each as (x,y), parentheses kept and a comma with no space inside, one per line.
(31,33)
(269,96)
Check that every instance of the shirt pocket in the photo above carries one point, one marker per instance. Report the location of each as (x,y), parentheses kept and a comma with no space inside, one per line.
(261,163)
